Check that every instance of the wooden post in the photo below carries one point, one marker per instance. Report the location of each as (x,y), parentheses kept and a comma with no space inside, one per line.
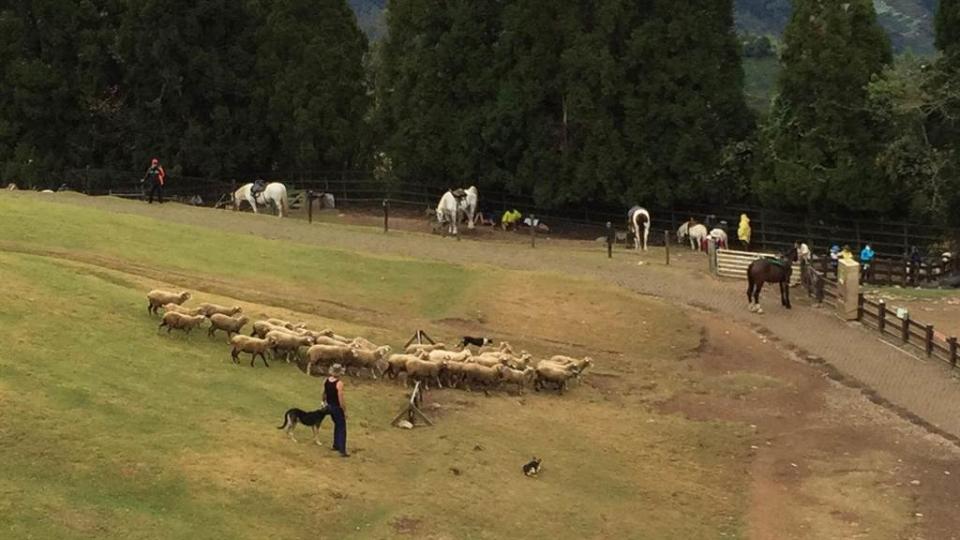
(412,409)
(611,238)
(819,288)
(905,328)
(929,343)
(882,316)
(953,351)
(666,245)
(386,215)
(309,206)
(860,304)
(533,231)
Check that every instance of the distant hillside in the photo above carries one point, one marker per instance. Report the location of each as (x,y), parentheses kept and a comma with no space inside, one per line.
(909,22)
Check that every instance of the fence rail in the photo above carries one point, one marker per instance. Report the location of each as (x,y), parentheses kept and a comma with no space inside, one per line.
(733,264)
(772,230)
(907,331)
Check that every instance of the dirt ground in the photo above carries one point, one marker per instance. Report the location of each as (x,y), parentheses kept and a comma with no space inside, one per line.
(824,461)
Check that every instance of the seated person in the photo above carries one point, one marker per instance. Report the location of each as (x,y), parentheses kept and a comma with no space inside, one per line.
(510,219)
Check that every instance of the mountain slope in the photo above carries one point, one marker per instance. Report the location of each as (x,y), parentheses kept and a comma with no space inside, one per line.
(909,22)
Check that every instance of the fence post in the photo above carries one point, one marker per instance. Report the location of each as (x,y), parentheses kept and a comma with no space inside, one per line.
(929,343)
(386,215)
(953,351)
(860,304)
(666,245)
(882,316)
(905,328)
(611,238)
(819,288)
(533,231)
(309,206)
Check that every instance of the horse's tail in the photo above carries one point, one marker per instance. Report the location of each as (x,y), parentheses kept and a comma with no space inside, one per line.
(751,283)
(284,203)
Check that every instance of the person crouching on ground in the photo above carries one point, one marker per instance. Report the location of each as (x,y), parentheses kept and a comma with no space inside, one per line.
(333,397)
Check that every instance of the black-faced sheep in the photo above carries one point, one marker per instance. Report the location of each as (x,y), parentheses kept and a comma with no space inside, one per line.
(158,298)
(230,325)
(181,321)
(254,346)
(209,309)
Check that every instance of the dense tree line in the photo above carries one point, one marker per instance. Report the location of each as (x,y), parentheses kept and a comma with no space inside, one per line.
(593,101)
(213,87)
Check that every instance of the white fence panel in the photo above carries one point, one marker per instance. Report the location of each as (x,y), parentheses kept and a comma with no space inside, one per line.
(733,264)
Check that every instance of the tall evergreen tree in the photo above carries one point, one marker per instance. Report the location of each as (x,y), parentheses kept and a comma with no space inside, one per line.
(823,139)
(311,61)
(947,26)
(187,86)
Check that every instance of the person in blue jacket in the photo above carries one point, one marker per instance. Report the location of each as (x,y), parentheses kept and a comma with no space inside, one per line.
(866,261)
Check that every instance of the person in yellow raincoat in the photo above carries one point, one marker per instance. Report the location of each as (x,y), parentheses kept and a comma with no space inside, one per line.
(510,219)
(743,231)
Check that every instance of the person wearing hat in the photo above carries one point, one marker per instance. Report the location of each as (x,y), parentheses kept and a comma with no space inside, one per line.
(866,261)
(333,397)
(154,180)
(744,232)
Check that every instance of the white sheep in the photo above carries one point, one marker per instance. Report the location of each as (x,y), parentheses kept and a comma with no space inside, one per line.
(520,378)
(373,360)
(329,354)
(260,329)
(448,356)
(424,371)
(158,298)
(254,346)
(414,348)
(230,325)
(286,324)
(209,309)
(479,374)
(397,364)
(181,321)
(288,343)
(167,308)
(556,374)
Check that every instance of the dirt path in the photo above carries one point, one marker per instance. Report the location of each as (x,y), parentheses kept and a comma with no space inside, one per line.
(922,390)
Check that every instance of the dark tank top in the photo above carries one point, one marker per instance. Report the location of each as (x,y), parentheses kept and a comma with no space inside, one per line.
(333,397)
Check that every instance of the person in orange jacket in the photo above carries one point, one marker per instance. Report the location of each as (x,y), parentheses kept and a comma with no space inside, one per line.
(154,179)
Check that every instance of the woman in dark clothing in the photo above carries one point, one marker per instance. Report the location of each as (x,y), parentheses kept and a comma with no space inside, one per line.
(333,397)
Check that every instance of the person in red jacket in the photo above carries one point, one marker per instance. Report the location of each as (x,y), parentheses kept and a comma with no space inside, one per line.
(154,179)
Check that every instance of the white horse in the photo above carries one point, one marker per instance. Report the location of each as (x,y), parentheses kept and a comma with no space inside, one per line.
(720,237)
(274,194)
(638,217)
(450,210)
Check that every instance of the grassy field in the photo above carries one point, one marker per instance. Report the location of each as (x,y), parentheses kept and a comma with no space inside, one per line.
(109,429)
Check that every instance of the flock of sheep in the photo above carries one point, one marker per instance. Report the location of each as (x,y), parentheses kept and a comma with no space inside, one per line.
(489,368)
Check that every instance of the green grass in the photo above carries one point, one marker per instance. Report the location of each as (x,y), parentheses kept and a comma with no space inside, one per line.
(109,429)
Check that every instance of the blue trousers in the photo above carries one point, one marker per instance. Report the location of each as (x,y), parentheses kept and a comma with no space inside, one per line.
(339,429)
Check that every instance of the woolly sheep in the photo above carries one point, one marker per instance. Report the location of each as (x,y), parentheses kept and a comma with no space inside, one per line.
(417,347)
(479,374)
(177,308)
(181,321)
(554,374)
(157,298)
(441,356)
(288,343)
(520,378)
(329,354)
(363,343)
(262,328)
(487,360)
(209,309)
(580,364)
(424,371)
(373,360)
(286,324)
(397,363)
(453,374)
(230,325)
(254,346)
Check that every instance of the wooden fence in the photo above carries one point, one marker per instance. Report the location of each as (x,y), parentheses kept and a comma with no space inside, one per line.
(907,331)
(818,284)
(733,264)
(897,271)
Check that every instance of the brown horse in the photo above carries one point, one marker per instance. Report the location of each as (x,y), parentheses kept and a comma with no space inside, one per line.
(769,270)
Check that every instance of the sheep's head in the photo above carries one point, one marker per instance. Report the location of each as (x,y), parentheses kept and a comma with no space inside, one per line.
(271,341)
(382,352)
(243,320)
(587,361)
(235,309)
(327,332)
(422,354)
(184,296)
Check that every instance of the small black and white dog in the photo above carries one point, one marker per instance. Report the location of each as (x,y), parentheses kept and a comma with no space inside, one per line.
(298,416)
(532,468)
(475,341)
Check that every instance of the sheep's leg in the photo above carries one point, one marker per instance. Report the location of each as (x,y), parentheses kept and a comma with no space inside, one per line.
(210,331)
(234,354)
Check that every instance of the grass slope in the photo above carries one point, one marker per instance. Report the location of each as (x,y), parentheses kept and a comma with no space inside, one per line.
(111,430)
